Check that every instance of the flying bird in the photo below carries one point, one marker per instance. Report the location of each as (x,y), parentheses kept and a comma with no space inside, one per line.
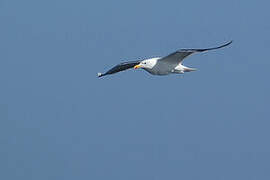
(170,64)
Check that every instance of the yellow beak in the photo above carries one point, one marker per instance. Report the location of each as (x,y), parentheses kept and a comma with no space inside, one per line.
(137,66)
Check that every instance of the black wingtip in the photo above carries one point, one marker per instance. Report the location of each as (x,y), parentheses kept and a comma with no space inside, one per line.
(227,44)
(100,75)
(230,42)
(222,46)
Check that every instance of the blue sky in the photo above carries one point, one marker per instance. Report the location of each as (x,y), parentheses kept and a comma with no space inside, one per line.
(59,121)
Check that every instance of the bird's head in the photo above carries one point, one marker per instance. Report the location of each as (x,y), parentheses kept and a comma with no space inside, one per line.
(147,64)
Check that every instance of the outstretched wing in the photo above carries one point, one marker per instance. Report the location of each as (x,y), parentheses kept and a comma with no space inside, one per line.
(120,67)
(178,56)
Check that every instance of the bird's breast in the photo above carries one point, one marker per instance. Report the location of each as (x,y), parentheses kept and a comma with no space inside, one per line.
(156,71)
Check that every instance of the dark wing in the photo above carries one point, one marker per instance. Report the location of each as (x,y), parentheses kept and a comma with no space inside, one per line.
(120,67)
(178,56)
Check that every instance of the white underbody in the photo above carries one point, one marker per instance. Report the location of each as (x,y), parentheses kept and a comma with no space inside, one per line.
(163,68)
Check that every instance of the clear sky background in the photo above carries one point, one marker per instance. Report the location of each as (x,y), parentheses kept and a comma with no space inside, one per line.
(59,121)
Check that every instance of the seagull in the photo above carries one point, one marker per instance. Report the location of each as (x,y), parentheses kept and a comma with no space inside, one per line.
(170,64)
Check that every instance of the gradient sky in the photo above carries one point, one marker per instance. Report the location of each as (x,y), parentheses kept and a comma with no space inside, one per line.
(59,121)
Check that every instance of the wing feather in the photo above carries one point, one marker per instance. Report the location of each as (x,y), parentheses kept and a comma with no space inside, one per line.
(178,56)
(120,67)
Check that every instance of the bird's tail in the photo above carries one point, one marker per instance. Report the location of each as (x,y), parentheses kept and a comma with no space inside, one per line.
(188,69)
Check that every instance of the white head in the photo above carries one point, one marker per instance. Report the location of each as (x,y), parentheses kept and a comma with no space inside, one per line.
(147,63)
